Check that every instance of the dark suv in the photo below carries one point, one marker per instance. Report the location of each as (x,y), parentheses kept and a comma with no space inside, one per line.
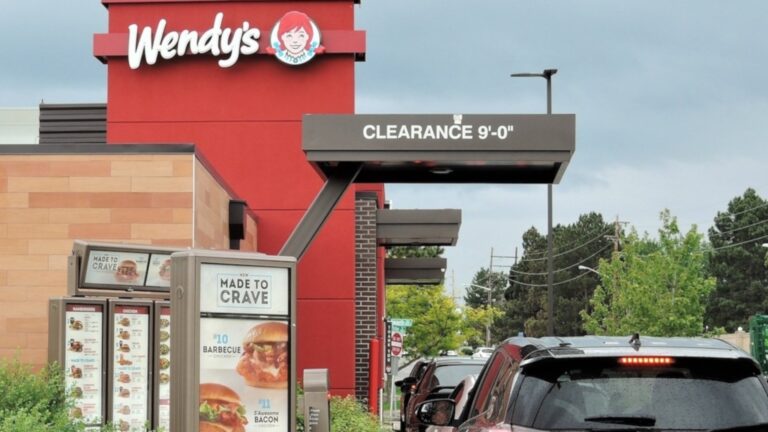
(594,383)
(437,381)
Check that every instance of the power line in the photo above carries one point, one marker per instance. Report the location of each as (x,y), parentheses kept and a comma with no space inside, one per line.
(749,209)
(545,285)
(734,245)
(564,268)
(568,251)
(600,235)
(740,228)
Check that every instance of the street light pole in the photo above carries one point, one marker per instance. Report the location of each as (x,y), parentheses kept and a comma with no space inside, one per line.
(583,267)
(547,75)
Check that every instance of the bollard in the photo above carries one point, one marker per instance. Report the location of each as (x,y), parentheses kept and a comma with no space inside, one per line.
(316,406)
(374,376)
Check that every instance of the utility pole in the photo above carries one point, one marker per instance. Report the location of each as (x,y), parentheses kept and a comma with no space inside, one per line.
(616,237)
(490,290)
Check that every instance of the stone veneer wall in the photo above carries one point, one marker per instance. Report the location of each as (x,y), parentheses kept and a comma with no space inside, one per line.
(212,214)
(365,287)
(48,201)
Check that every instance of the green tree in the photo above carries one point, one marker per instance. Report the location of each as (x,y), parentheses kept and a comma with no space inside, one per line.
(654,287)
(415,252)
(581,243)
(477,295)
(738,262)
(437,324)
(475,322)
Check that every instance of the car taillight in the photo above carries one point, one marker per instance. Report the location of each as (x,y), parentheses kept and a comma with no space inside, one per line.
(646,361)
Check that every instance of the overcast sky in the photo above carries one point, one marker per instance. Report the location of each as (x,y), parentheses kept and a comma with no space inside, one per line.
(671,98)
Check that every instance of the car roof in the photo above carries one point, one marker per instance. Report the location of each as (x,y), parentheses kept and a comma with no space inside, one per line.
(611,346)
(457,360)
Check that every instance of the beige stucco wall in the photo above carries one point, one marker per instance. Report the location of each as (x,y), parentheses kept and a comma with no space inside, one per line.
(212,214)
(48,201)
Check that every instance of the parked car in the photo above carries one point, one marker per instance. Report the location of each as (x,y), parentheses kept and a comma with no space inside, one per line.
(439,379)
(482,353)
(407,387)
(593,383)
(460,394)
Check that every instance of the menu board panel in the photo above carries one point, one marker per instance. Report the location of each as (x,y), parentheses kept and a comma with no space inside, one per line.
(245,360)
(244,289)
(130,395)
(159,272)
(84,334)
(164,377)
(116,268)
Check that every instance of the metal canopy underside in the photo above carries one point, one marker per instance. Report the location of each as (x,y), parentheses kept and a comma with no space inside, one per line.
(414,271)
(418,227)
(529,148)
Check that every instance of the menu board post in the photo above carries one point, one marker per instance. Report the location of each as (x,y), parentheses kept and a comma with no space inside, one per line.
(129,382)
(234,341)
(77,335)
(162,366)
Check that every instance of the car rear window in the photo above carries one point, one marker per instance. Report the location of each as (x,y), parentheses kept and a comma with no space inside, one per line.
(452,374)
(602,394)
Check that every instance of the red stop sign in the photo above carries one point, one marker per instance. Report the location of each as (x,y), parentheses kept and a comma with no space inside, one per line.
(397,344)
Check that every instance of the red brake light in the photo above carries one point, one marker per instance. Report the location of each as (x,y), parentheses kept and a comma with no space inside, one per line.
(646,361)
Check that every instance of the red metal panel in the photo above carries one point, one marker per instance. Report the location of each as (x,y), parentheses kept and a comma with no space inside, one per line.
(108,2)
(246,121)
(262,162)
(197,89)
(332,15)
(326,338)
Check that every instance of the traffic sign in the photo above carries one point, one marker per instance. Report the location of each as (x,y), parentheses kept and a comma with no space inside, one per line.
(397,344)
(401,322)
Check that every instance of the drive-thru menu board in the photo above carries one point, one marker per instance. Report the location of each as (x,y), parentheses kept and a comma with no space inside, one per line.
(236,313)
(249,357)
(163,368)
(83,360)
(130,366)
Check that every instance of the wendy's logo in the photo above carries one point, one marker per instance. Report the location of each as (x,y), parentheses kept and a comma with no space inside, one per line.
(295,39)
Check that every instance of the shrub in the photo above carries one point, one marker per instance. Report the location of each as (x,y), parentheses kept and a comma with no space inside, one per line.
(32,402)
(347,414)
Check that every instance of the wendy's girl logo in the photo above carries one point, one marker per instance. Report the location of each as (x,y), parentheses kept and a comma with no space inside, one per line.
(295,39)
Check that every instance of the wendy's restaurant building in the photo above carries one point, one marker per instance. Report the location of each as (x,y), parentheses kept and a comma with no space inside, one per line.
(212,103)
(204,109)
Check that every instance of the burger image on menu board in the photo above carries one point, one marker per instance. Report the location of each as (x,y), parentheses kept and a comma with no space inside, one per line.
(124,426)
(127,271)
(75,324)
(165,270)
(221,409)
(264,362)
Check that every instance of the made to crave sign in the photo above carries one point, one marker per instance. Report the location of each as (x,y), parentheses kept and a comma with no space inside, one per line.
(294,40)
(238,289)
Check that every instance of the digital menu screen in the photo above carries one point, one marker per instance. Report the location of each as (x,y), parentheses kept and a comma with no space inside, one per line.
(164,373)
(83,361)
(113,268)
(130,395)
(159,272)
(247,362)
